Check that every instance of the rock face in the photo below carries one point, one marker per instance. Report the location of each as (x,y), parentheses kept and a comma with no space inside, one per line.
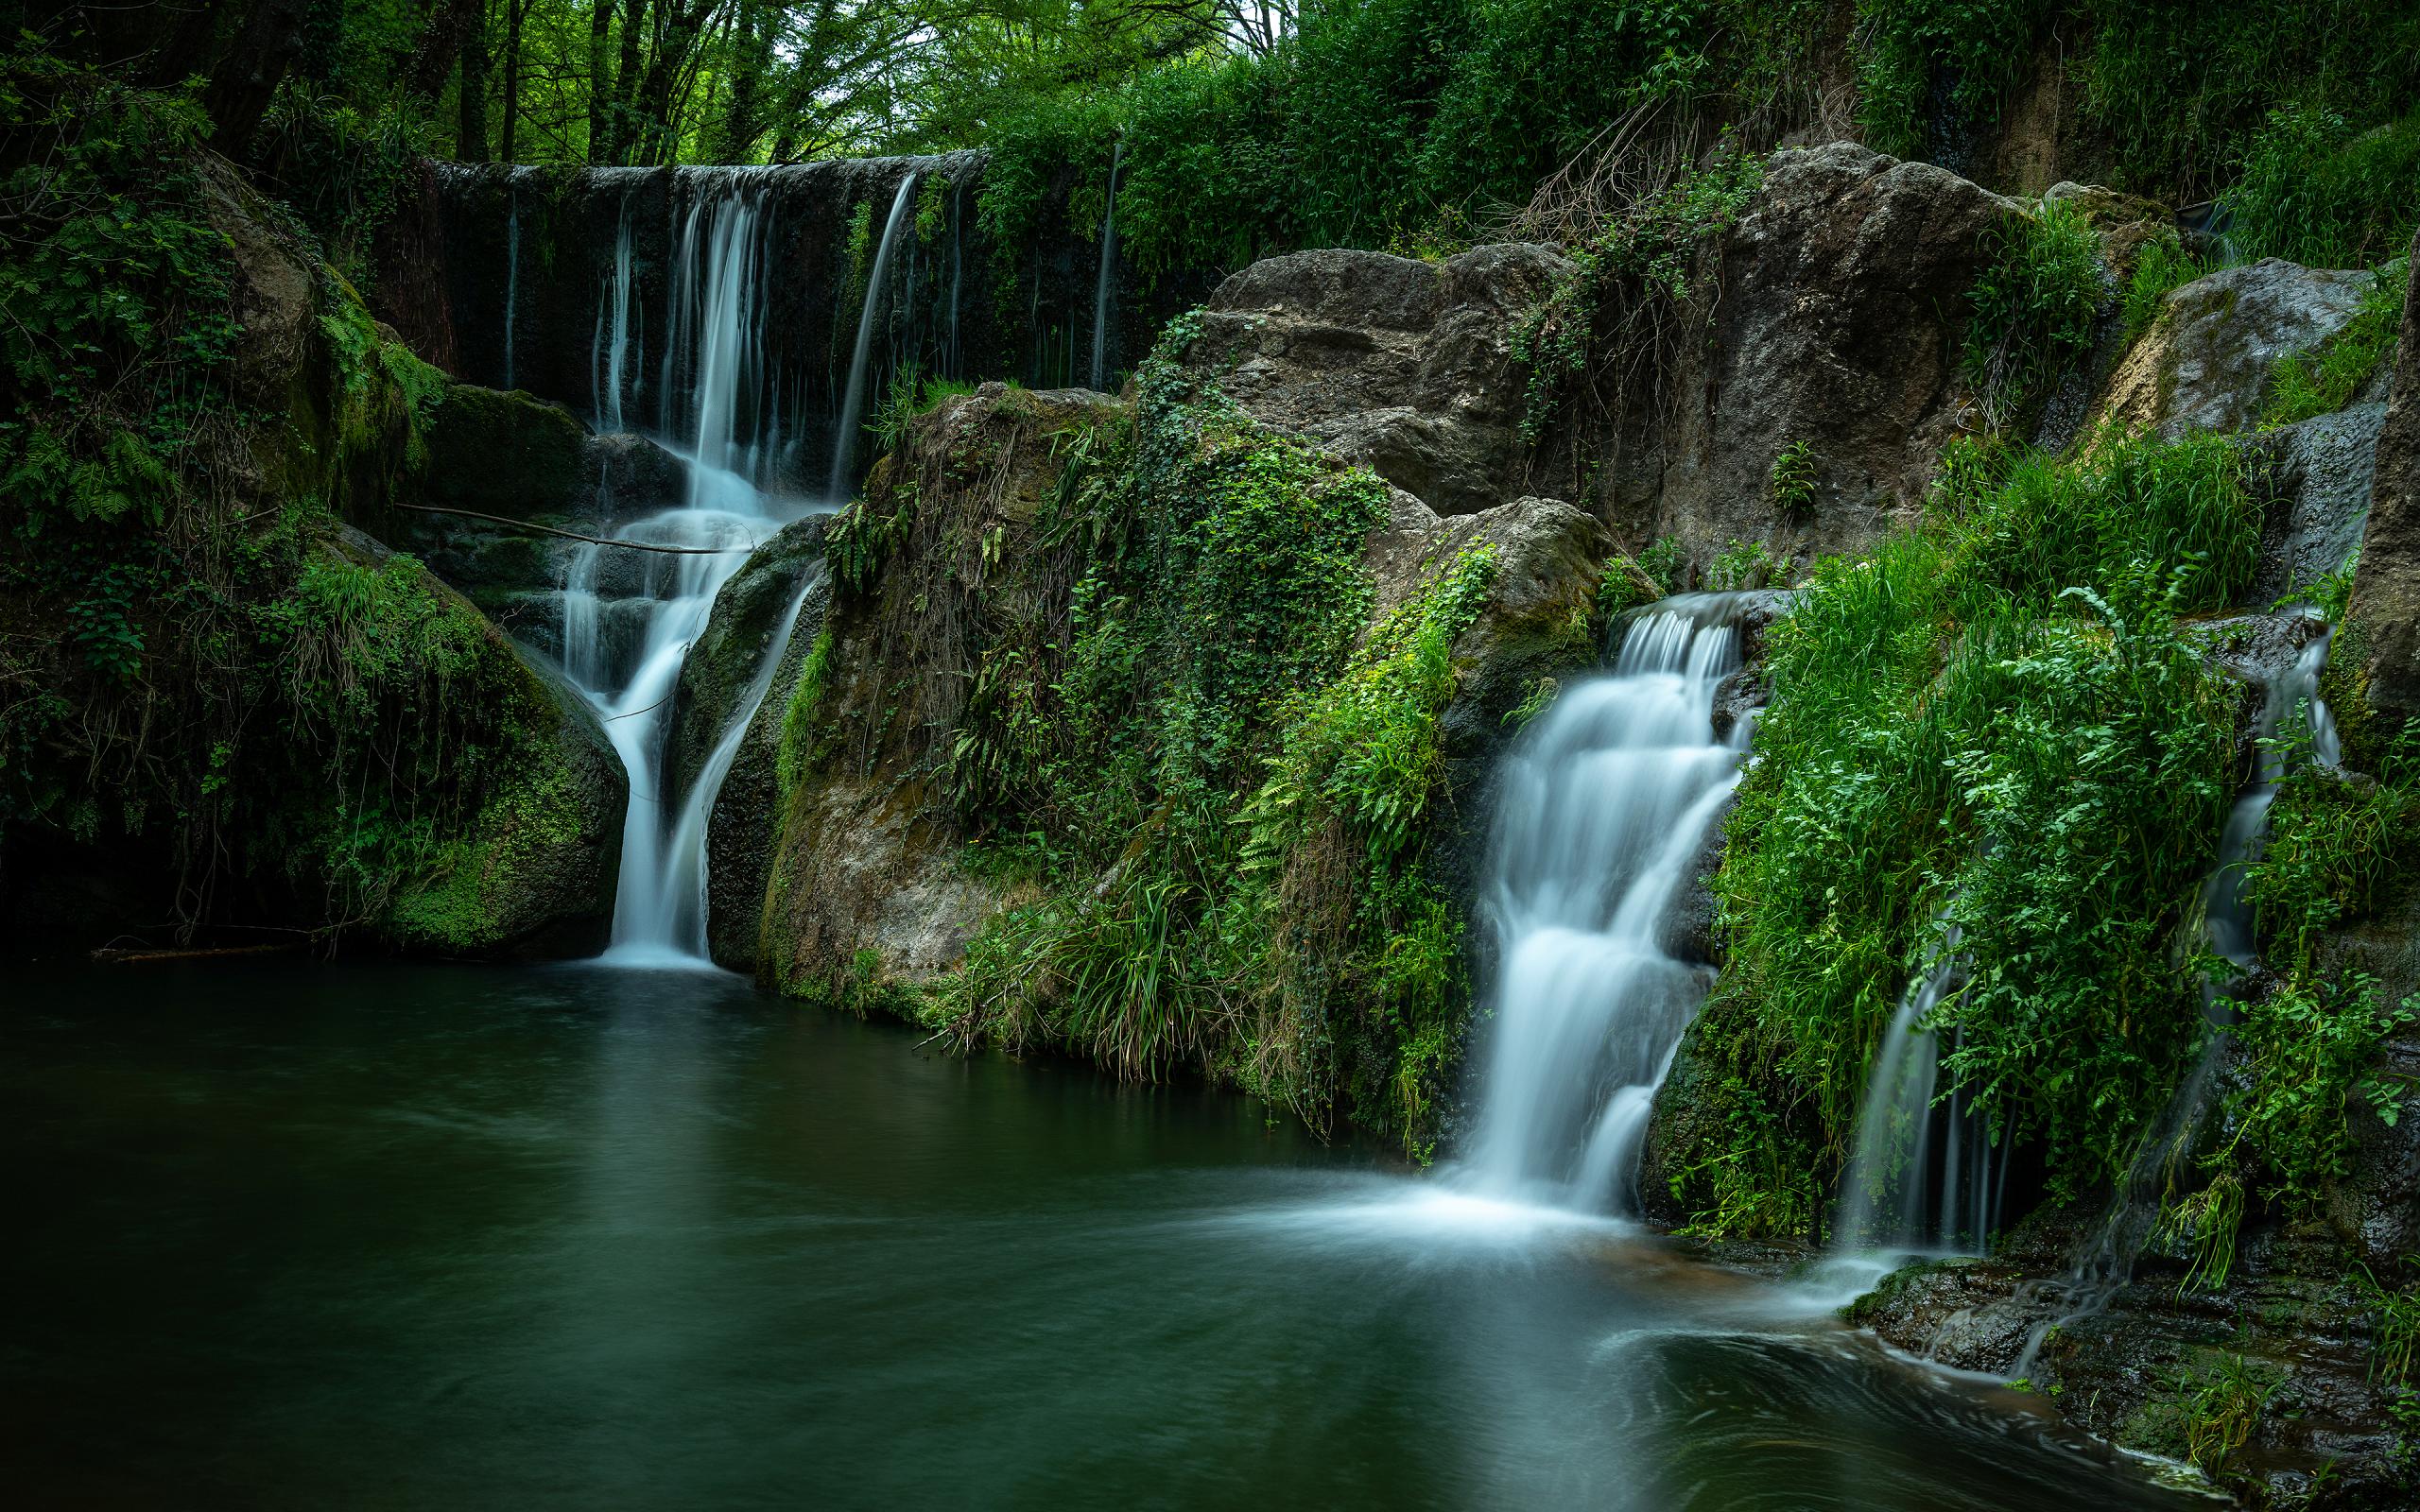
(2319,485)
(1402,366)
(519,458)
(2386,594)
(1837,330)
(868,888)
(2204,364)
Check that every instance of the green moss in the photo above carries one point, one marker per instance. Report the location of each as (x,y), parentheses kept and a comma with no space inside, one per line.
(797,754)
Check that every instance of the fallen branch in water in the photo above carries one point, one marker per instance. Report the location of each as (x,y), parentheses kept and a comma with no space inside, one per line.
(574,535)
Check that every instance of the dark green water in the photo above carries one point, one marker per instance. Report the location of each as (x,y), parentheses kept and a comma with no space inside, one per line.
(426,1237)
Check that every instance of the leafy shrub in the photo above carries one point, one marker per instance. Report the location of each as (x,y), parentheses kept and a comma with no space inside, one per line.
(2035,307)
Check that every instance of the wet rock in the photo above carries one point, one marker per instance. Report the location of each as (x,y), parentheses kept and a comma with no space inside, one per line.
(1403,365)
(2319,478)
(2204,364)
(2386,593)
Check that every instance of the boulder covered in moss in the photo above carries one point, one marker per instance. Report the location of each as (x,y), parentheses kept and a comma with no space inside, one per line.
(2206,364)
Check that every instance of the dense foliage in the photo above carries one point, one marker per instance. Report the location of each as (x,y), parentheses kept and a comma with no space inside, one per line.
(193,671)
(1960,724)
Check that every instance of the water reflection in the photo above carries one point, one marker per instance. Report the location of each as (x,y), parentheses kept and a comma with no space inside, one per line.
(411,1236)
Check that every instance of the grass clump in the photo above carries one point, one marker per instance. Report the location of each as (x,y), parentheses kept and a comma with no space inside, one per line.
(2315,190)
(2161,267)
(2034,311)
(1958,724)
(2302,384)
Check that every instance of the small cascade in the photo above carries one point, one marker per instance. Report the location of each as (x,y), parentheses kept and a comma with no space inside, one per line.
(611,363)
(629,617)
(1606,807)
(953,361)
(511,269)
(1108,265)
(844,441)
(1924,1177)
(2107,1263)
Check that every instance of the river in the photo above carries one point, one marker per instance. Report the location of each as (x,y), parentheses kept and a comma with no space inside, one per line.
(413,1236)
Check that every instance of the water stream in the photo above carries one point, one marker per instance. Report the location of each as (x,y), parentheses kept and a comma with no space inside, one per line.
(844,441)
(629,617)
(511,269)
(1605,809)
(1108,267)
(611,363)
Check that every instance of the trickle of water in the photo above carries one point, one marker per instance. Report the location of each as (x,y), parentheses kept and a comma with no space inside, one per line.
(511,269)
(1604,811)
(610,359)
(1108,262)
(953,364)
(844,444)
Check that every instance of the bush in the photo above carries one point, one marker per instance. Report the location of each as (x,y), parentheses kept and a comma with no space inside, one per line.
(2315,191)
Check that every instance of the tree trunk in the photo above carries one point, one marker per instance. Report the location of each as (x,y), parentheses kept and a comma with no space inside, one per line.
(440,43)
(508,148)
(752,55)
(601,81)
(243,84)
(654,105)
(626,79)
(471,135)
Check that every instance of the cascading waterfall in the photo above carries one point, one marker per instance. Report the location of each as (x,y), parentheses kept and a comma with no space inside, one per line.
(511,269)
(611,362)
(953,361)
(1605,810)
(844,443)
(629,617)
(1108,264)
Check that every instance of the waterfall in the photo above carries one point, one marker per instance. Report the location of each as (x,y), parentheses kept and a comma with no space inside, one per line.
(953,363)
(511,267)
(1108,261)
(1923,1177)
(844,443)
(629,617)
(609,350)
(1605,809)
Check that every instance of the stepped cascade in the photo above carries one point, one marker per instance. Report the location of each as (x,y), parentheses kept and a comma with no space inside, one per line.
(1604,812)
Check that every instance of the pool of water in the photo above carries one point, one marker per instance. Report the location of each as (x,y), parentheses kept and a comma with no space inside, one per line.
(411,1236)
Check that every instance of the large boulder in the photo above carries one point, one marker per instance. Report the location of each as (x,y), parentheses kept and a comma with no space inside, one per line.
(1402,366)
(2205,363)
(2318,481)
(1837,330)
(2386,593)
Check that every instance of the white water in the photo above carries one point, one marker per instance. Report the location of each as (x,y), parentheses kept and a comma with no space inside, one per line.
(612,364)
(1604,812)
(629,617)
(1108,262)
(844,442)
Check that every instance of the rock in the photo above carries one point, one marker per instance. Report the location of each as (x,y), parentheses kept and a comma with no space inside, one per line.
(535,871)
(2386,592)
(275,289)
(1402,366)
(2203,365)
(2321,471)
(520,458)
(1838,329)
(724,670)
